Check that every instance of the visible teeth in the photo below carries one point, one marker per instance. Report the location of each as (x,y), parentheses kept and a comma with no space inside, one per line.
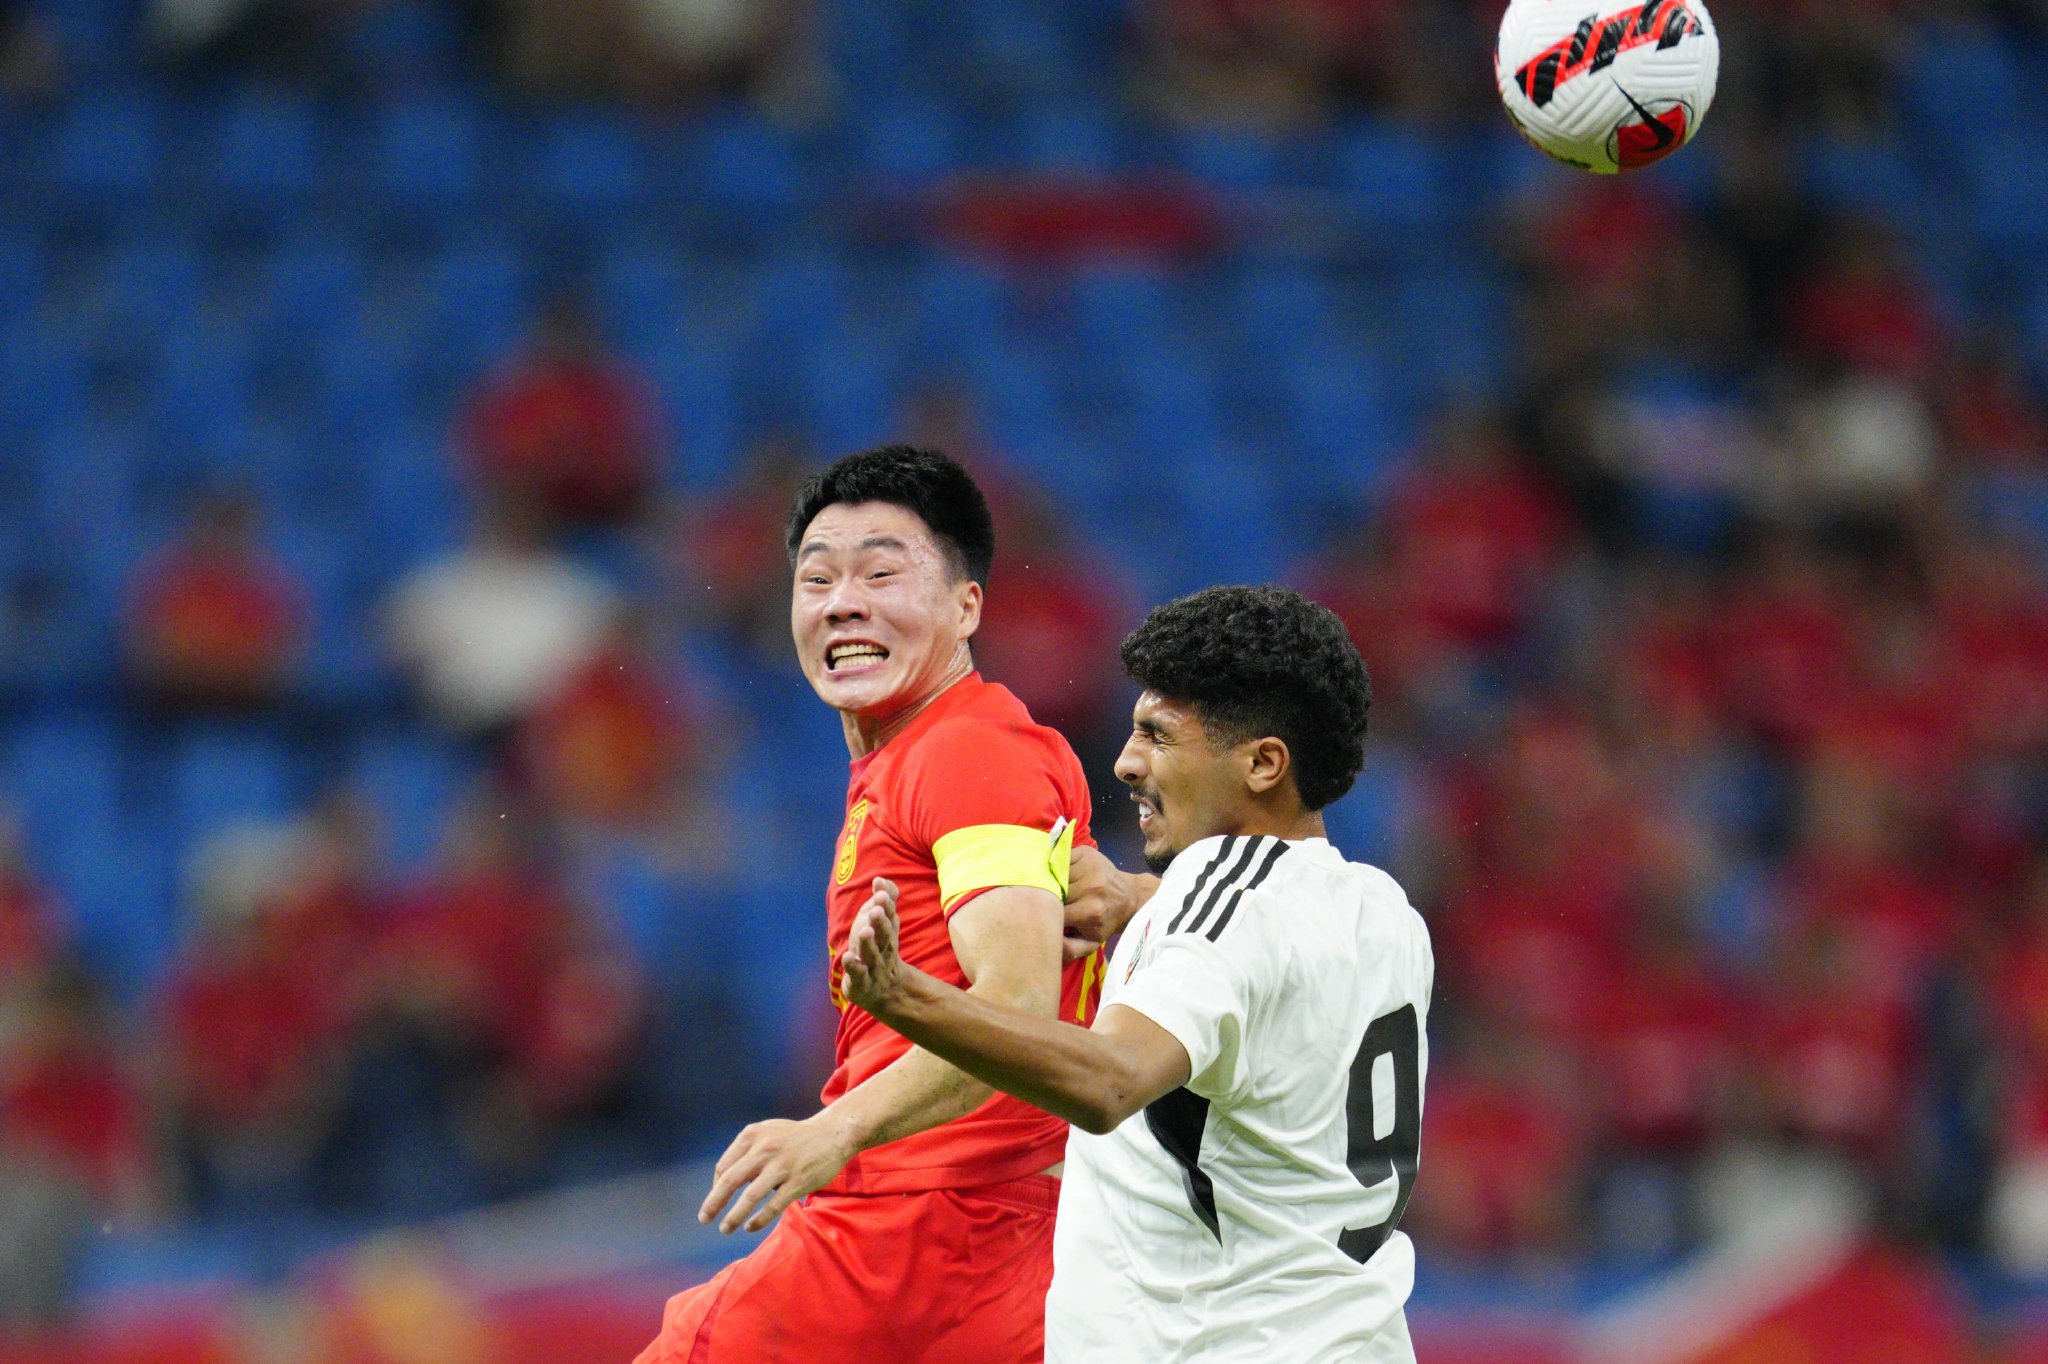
(851,651)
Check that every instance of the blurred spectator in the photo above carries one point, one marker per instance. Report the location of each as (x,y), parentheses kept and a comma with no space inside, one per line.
(1991,409)
(1278,64)
(731,571)
(30,936)
(1055,611)
(565,427)
(257,1007)
(215,623)
(491,630)
(1861,307)
(668,52)
(1505,1142)
(496,1015)
(610,745)
(69,1100)
(31,63)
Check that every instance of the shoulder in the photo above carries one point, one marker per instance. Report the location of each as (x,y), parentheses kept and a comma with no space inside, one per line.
(1209,881)
(989,738)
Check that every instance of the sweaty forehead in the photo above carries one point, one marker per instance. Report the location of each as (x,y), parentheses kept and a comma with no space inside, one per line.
(1172,717)
(848,525)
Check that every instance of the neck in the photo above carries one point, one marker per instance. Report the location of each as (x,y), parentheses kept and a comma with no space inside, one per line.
(867,731)
(1291,824)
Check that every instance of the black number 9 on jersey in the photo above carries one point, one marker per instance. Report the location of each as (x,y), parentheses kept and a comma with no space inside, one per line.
(1373,1159)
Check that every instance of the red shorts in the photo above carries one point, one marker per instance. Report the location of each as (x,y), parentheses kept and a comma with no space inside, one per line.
(949,1276)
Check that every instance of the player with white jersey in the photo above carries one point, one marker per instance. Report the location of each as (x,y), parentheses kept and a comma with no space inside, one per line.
(1248,1103)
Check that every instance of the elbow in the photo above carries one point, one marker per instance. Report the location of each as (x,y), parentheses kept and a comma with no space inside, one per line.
(1107,1108)
(1098,1120)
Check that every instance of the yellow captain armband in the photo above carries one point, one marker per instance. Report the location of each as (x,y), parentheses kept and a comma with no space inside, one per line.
(985,856)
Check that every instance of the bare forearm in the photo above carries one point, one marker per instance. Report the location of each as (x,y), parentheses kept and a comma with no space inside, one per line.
(1067,1071)
(919,1090)
(914,1093)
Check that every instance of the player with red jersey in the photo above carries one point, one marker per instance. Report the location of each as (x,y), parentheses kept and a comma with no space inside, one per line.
(917,1205)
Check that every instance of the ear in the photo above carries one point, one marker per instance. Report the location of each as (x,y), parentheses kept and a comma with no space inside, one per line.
(969,596)
(1267,763)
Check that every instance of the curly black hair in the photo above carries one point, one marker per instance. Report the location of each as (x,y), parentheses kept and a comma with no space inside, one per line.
(942,494)
(1254,661)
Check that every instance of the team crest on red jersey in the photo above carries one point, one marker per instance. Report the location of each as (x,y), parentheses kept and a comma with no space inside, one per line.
(849,846)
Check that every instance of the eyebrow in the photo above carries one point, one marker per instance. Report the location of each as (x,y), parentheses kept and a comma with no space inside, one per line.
(872,542)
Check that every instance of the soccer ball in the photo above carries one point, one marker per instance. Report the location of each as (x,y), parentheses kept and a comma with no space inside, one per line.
(1608,88)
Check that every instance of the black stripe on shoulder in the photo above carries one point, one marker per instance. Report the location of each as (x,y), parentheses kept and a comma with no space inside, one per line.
(1230,878)
(1222,856)
(1279,850)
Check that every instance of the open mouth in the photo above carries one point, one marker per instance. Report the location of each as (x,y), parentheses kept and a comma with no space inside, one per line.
(853,655)
(1147,811)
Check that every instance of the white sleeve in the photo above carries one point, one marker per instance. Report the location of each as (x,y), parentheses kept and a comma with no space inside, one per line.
(1203,996)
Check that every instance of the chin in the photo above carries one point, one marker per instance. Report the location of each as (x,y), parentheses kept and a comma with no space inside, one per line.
(1159,859)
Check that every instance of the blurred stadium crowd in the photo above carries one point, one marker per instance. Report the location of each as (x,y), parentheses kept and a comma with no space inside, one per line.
(411,799)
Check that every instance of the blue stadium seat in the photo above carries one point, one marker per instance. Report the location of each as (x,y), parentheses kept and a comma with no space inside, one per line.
(412,487)
(1282,310)
(1069,136)
(428,152)
(2001,174)
(43,377)
(850,386)
(1869,176)
(148,283)
(590,162)
(1118,307)
(745,165)
(353,395)
(643,290)
(262,146)
(674,929)
(1346,424)
(477,305)
(1455,323)
(1238,161)
(205,380)
(957,303)
(24,264)
(107,148)
(413,780)
(62,770)
(308,281)
(95,34)
(1956,73)
(220,775)
(407,43)
(909,141)
(1396,179)
(118,882)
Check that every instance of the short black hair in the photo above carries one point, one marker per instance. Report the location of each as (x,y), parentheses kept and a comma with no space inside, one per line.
(1254,661)
(942,494)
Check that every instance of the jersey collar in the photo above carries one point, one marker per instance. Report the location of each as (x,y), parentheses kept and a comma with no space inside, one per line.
(942,705)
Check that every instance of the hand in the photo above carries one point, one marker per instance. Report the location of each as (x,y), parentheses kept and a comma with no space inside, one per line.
(872,968)
(1100,901)
(772,1164)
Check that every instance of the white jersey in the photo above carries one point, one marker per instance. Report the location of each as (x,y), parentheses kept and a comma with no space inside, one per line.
(1250,1215)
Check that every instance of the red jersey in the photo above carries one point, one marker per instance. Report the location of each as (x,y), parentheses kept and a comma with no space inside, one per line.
(963,801)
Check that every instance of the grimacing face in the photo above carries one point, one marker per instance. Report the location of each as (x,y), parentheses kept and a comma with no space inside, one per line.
(1186,788)
(878,616)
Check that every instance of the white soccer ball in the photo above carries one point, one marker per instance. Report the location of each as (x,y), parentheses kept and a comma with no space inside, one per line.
(1606,85)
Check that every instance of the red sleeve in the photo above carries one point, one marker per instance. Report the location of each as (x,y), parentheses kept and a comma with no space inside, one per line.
(967,773)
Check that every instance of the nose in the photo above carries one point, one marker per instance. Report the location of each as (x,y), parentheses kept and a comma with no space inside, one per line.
(1130,769)
(845,602)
